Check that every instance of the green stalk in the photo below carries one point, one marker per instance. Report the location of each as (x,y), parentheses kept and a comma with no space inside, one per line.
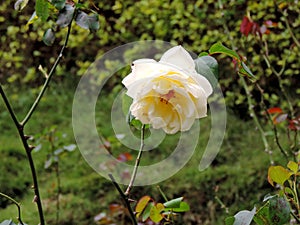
(137,162)
(17,204)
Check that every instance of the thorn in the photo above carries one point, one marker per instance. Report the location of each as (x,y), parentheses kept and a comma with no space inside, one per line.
(35,199)
(31,147)
(28,137)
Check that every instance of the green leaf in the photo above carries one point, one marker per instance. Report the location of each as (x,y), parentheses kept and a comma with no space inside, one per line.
(141,205)
(94,24)
(183,207)
(203,54)
(278,174)
(245,71)
(49,37)
(20,4)
(7,222)
(229,220)
(244,217)
(42,9)
(174,203)
(32,19)
(70,148)
(155,215)
(208,67)
(146,212)
(220,48)
(293,166)
(279,211)
(87,22)
(59,4)
(65,16)
(262,215)
(82,20)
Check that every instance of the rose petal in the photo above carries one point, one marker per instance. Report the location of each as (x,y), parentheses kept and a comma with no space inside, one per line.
(179,57)
(204,83)
(146,65)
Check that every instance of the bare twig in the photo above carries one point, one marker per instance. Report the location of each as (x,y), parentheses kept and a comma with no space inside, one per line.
(273,125)
(20,125)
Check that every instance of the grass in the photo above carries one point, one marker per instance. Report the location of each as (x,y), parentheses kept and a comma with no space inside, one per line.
(236,178)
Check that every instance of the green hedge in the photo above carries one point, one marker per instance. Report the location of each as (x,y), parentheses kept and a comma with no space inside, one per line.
(194,24)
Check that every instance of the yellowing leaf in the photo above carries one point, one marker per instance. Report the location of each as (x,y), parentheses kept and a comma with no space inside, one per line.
(293,166)
(278,174)
(160,206)
(155,215)
(141,205)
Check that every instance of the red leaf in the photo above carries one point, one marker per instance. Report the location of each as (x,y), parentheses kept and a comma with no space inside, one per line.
(116,209)
(246,26)
(270,23)
(275,110)
(124,157)
(294,124)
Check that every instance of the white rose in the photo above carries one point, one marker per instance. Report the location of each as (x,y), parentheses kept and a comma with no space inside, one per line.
(168,94)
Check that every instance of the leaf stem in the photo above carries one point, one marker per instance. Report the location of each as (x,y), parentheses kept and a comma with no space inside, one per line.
(248,94)
(273,125)
(48,76)
(137,162)
(278,75)
(254,117)
(17,204)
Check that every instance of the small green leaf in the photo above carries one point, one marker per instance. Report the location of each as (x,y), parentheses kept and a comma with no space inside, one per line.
(262,215)
(208,67)
(49,37)
(279,211)
(203,54)
(70,147)
(32,19)
(82,20)
(220,48)
(7,222)
(65,16)
(141,205)
(183,207)
(58,151)
(49,162)
(94,22)
(268,196)
(174,203)
(155,215)
(20,4)
(293,166)
(42,9)
(229,220)
(135,123)
(146,212)
(244,217)
(87,22)
(278,174)
(59,4)
(245,71)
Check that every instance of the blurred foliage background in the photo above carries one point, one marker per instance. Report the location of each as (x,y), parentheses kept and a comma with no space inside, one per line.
(194,24)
